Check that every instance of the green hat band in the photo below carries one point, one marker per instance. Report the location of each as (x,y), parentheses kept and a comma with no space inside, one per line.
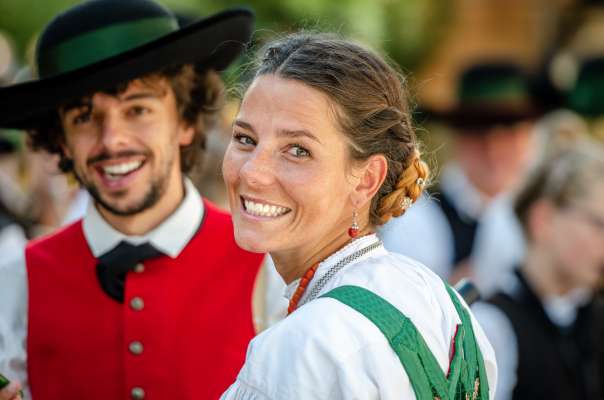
(511,90)
(587,97)
(101,44)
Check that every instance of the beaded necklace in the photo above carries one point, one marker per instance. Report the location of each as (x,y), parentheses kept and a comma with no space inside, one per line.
(310,273)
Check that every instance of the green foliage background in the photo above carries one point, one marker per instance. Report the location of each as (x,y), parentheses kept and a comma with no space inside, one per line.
(407,30)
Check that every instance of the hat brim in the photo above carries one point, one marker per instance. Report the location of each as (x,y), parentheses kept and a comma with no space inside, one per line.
(212,43)
(473,118)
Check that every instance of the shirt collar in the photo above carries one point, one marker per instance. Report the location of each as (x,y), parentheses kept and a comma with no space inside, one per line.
(325,265)
(466,198)
(170,237)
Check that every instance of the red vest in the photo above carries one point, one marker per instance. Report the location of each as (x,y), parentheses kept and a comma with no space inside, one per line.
(186,339)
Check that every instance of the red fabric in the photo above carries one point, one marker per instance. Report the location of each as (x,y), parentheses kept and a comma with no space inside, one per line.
(195,325)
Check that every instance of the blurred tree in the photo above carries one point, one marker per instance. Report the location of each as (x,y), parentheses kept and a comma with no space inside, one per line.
(406,30)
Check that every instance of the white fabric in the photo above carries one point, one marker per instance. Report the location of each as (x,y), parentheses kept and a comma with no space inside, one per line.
(466,198)
(562,310)
(275,305)
(500,332)
(12,242)
(170,237)
(499,246)
(423,232)
(77,208)
(326,350)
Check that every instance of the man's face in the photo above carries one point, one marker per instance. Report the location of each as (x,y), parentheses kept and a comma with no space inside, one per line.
(494,160)
(126,147)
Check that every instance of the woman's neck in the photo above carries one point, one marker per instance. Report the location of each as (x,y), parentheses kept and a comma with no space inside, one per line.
(293,263)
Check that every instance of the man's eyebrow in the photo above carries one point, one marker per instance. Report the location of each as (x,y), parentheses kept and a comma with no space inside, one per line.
(140,95)
(76,104)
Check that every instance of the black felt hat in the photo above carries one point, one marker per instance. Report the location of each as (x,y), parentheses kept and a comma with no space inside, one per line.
(101,43)
(490,94)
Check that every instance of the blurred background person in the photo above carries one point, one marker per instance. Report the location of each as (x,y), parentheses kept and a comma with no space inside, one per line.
(500,244)
(492,140)
(547,322)
(13,225)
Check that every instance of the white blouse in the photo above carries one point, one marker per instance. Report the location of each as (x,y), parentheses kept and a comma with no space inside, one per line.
(326,350)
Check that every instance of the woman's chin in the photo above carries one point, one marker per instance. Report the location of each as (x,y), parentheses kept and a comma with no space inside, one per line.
(251,244)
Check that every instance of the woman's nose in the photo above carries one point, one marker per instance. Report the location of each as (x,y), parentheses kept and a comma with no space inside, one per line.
(258,169)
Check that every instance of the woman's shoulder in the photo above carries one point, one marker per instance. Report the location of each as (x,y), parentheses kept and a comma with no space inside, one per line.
(404,282)
(332,331)
(316,350)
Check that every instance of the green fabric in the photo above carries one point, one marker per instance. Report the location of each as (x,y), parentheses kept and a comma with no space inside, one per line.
(107,42)
(587,97)
(426,377)
(509,89)
(474,362)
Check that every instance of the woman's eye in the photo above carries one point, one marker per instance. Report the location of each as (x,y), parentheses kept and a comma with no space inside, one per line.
(244,139)
(298,151)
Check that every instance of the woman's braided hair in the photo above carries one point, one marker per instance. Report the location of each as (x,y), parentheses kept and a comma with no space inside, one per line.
(371,108)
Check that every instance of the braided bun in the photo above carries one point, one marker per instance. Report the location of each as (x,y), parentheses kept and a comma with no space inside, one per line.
(410,184)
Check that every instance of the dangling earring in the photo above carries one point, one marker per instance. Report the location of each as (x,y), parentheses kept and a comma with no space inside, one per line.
(354,229)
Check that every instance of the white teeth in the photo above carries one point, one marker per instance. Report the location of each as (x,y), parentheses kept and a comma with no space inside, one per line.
(122,169)
(264,210)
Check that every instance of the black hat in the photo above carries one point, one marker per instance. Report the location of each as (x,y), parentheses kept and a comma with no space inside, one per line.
(101,43)
(490,94)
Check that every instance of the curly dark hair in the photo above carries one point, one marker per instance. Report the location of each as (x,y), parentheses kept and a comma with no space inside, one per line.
(199,96)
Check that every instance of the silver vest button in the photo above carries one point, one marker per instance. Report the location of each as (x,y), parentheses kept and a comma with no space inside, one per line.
(135,347)
(137,304)
(137,393)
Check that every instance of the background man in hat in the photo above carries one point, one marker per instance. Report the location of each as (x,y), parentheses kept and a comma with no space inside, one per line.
(148,296)
(491,144)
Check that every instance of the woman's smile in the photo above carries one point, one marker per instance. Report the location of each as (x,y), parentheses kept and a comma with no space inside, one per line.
(261,208)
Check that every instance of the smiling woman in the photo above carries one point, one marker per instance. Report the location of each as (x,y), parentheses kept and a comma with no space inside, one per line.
(322,152)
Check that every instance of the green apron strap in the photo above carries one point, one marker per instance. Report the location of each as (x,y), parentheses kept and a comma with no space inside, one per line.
(426,377)
(474,364)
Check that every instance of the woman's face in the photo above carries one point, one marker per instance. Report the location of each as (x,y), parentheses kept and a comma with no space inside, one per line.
(577,239)
(287,169)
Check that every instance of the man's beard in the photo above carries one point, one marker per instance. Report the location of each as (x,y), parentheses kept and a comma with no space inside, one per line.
(154,193)
(149,200)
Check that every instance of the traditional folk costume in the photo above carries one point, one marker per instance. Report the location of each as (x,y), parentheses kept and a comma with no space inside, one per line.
(182,327)
(372,325)
(91,313)
(443,231)
(547,348)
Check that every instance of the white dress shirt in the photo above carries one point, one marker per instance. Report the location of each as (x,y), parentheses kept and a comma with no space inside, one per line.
(170,237)
(326,350)
(499,246)
(424,233)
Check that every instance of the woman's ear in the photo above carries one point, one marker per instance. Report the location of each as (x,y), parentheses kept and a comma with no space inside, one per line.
(371,176)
